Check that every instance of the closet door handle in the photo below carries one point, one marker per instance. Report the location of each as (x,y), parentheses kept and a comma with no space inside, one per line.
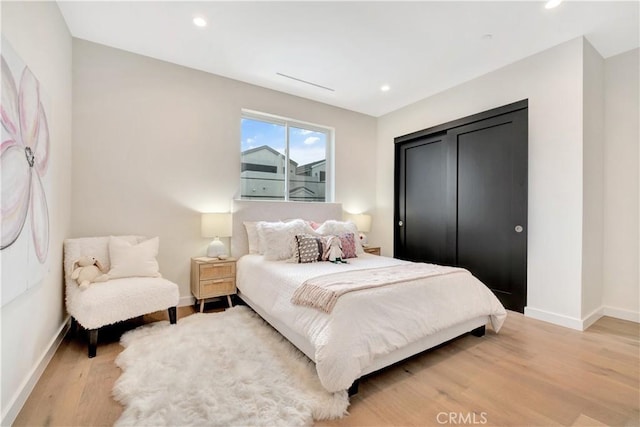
(519,229)
(400,223)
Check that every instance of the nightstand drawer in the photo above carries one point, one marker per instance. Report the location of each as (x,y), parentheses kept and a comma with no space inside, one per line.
(373,250)
(217,271)
(219,287)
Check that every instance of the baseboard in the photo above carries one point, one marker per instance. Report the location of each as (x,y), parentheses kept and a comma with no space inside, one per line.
(620,313)
(584,323)
(184,301)
(555,318)
(592,318)
(17,402)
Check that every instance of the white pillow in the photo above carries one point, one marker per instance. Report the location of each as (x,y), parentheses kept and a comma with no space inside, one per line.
(252,236)
(336,228)
(278,237)
(261,242)
(130,260)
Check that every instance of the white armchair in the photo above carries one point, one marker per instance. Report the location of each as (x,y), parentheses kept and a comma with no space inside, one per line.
(115,300)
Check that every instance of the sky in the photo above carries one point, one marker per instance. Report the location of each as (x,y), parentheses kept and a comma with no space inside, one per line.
(305,146)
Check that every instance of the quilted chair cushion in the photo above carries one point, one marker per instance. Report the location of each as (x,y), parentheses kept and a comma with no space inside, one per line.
(117,299)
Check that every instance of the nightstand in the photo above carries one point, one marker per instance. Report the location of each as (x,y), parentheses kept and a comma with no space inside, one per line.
(373,250)
(212,277)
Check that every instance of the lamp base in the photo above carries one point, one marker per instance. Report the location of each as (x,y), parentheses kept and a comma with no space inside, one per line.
(216,248)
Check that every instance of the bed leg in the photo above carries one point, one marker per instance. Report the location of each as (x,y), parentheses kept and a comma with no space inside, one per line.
(354,387)
(478,332)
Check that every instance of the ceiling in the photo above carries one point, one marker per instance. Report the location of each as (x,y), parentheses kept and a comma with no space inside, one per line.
(353,48)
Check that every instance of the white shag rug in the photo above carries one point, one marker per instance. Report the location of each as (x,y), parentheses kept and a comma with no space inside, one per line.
(220,369)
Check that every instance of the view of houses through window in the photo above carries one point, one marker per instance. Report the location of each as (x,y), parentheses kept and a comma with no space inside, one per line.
(283,159)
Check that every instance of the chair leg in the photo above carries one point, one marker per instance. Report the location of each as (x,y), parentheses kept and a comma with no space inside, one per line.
(93,342)
(73,328)
(172,315)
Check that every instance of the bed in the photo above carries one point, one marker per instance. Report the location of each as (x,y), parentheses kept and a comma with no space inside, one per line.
(369,329)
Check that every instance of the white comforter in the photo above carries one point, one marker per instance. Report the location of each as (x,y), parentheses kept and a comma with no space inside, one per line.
(365,324)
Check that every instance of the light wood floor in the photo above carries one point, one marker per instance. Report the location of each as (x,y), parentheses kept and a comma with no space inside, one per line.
(532,373)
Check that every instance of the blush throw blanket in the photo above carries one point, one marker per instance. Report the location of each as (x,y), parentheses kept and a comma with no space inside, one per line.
(322,292)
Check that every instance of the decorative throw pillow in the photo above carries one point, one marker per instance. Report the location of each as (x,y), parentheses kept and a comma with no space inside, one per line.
(278,238)
(348,241)
(97,247)
(314,224)
(308,248)
(262,244)
(336,228)
(133,260)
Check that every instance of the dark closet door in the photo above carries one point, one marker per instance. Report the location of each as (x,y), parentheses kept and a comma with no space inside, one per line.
(492,204)
(461,198)
(426,207)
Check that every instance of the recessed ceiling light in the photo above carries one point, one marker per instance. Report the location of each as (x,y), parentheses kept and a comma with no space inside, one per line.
(199,21)
(487,36)
(552,3)
(385,88)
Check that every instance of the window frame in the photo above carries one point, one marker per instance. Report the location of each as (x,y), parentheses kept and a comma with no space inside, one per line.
(298,124)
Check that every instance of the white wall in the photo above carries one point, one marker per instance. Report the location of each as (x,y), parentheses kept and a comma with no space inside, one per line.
(621,213)
(155,144)
(593,182)
(31,323)
(552,82)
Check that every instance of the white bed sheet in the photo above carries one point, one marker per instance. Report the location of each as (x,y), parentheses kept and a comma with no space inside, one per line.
(366,324)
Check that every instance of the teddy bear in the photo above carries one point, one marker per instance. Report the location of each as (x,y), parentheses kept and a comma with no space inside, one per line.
(333,250)
(87,270)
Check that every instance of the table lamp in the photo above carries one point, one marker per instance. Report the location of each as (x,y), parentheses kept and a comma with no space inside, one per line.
(363,223)
(216,225)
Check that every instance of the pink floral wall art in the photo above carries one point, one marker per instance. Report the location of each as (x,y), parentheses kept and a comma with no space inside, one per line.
(24,164)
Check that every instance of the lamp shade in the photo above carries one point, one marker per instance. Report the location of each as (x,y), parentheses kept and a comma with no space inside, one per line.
(216,225)
(363,222)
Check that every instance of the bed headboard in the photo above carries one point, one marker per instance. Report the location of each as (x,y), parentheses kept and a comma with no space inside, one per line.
(260,210)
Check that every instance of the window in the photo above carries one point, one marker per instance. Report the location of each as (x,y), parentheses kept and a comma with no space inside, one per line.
(284,159)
